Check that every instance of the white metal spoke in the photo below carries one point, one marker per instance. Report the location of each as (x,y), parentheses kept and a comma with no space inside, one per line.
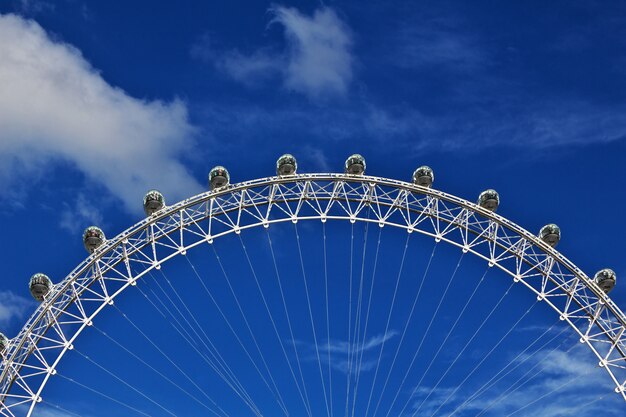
(393,300)
(308,300)
(508,368)
(32,356)
(126,383)
(458,356)
(402,336)
(270,315)
(485,357)
(286,310)
(153,369)
(103,395)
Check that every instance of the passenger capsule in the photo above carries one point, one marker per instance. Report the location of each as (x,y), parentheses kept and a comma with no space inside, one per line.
(93,238)
(39,285)
(286,165)
(153,201)
(4,343)
(218,177)
(424,176)
(489,199)
(605,278)
(355,165)
(551,234)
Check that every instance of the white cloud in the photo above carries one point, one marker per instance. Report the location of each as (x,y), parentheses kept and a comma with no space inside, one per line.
(250,69)
(371,343)
(438,42)
(316,61)
(564,383)
(55,107)
(81,214)
(35,6)
(337,352)
(13,307)
(47,409)
(319,51)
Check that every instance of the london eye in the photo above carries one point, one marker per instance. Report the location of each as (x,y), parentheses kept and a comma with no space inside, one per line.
(303,294)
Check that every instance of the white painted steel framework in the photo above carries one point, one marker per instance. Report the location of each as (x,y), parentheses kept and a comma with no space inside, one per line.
(33,355)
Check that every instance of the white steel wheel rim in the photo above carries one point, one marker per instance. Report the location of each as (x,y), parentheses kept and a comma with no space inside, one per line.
(172,231)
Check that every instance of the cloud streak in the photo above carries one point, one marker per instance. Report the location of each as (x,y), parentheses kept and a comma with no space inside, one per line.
(337,351)
(569,376)
(316,59)
(55,107)
(13,307)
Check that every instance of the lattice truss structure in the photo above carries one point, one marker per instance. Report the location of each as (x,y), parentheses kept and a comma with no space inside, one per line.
(31,357)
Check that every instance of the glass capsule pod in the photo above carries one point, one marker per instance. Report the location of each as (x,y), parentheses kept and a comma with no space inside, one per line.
(286,165)
(218,177)
(39,285)
(153,201)
(424,176)
(605,278)
(4,343)
(355,165)
(551,234)
(93,237)
(489,199)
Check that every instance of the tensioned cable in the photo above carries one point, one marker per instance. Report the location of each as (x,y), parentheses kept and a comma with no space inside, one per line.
(206,360)
(349,316)
(58,407)
(495,307)
(171,361)
(579,408)
(354,346)
(367,317)
(141,393)
(359,305)
(103,395)
(513,388)
(330,376)
(228,322)
(293,340)
(308,300)
(393,301)
(181,328)
(233,383)
(269,313)
(423,338)
(456,322)
(485,357)
(278,397)
(404,331)
(500,375)
(137,357)
(213,351)
(563,385)
(434,316)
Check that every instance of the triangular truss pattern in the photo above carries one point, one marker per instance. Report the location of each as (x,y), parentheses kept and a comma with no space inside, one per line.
(31,357)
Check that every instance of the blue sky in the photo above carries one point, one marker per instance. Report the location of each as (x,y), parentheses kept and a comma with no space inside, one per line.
(101,101)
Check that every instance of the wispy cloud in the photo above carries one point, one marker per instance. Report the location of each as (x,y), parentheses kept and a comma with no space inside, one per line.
(316,59)
(13,307)
(55,107)
(339,350)
(49,410)
(436,44)
(80,214)
(337,346)
(570,376)
(35,6)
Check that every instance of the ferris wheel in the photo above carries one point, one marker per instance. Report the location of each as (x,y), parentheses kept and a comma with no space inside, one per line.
(336,348)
